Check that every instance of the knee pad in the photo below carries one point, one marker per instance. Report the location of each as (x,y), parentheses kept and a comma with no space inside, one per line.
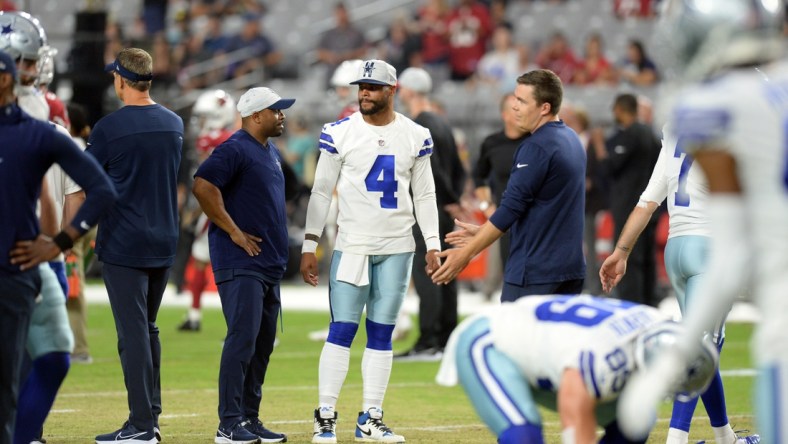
(342,333)
(379,335)
(530,433)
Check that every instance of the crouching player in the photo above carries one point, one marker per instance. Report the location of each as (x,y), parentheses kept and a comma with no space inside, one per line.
(571,354)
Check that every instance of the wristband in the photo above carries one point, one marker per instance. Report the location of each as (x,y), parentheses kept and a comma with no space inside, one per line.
(309,246)
(63,241)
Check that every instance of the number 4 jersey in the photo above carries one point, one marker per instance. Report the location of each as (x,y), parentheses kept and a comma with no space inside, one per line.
(373,169)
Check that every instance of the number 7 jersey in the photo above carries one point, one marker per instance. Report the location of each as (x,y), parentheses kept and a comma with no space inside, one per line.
(374,169)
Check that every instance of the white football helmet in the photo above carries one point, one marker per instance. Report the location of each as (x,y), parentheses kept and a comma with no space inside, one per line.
(23,38)
(699,371)
(47,67)
(346,72)
(699,37)
(214,110)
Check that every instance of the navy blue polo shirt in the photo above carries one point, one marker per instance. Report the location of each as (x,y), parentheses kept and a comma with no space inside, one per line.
(28,147)
(544,204)
(140,149)
(249,176)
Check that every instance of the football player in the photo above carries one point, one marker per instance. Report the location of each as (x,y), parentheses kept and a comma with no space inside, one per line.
(571,354)
(731,118)
(50,340)
(215,118)
(374,158)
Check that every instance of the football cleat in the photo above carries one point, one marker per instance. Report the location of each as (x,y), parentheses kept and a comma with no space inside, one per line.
(325,431)
(370,428)
(746,439)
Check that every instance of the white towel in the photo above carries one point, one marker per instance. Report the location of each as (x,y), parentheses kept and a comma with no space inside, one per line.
(353,269)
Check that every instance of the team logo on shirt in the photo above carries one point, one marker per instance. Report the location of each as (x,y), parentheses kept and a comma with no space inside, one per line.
(279,164)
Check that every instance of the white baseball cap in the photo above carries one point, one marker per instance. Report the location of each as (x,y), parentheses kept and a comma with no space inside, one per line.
(376,72)
(260,98)
(416,79)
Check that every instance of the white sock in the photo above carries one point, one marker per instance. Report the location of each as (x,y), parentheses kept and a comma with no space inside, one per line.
(375,371)
(724,434)
(195,314)
(332,370)
(676,436)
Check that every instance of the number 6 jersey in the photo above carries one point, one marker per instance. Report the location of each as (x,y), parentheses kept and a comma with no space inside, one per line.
(373,169)
(545,335)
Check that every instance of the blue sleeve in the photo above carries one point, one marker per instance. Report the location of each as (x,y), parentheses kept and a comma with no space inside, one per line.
(529,171)
(697,126)
(97,145)
(88,174)
(221,166)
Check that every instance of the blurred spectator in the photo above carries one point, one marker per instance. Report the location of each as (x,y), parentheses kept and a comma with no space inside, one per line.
(432,18)
(301,150)
(400,48)
(633,8)
(7,5)
(501,65)
(76,305)
(596,194)
(492,170)
(557,56)
(154,13)
(637,68)
(163,68)
(214,41)
(627,158)
(526,62)
(498,14)
(115,41)
(343,42)
(469,28)
(595,68)
(251,37)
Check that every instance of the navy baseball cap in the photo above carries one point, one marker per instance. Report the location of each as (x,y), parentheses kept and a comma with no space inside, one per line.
(7,64)
(125,73)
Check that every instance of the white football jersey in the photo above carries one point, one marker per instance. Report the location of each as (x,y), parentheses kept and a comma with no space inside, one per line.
(677,179)
(377,165)
(60,184)
(545,335)
(746,113)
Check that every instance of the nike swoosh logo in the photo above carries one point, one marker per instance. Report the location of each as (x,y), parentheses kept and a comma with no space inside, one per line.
(230,436)
(520,165)
(120,435)
(84,225)
(366,432)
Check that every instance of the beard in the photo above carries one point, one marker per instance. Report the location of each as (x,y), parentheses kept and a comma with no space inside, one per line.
(377,106)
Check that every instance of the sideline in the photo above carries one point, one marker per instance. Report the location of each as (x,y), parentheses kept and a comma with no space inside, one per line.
(301,297)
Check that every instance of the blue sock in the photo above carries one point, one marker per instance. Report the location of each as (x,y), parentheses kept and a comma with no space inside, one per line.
(532,434)
(38,394)
(714,401)
(681,418)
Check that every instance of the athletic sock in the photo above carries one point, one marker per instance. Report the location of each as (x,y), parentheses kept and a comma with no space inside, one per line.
(375,371)
(332,370)
(38,394)
(724,435)
(676,436)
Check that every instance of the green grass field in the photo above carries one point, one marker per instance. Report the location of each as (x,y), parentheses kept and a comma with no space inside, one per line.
(93,400)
